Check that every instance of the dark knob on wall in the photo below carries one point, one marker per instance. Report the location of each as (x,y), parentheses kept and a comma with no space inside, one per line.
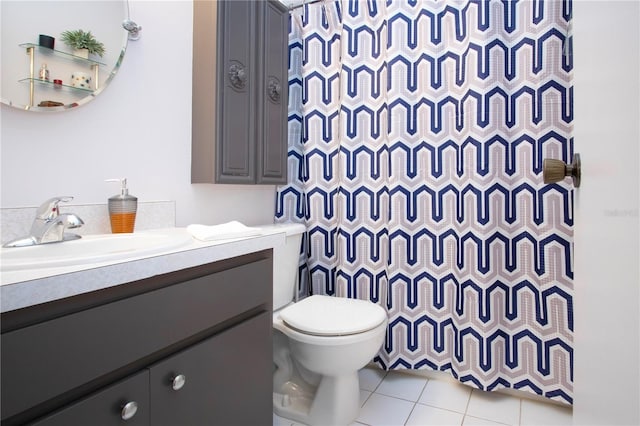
(556,170)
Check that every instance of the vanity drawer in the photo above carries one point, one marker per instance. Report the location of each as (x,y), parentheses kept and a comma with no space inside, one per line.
(105,408)
(47,360)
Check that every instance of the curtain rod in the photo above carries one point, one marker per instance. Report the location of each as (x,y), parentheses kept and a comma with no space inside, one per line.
(302,3)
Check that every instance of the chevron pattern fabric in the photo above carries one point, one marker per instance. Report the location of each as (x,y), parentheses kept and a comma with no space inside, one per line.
(417,133)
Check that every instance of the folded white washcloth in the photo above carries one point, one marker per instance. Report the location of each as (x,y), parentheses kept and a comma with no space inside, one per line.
(233,229)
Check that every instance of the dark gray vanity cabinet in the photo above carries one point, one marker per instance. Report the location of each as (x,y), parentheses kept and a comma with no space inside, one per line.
(188,348)
(240,92)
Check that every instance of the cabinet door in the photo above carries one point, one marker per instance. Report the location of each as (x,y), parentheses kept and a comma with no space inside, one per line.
(107,407)
(235,144)
(225,380)
(273,88)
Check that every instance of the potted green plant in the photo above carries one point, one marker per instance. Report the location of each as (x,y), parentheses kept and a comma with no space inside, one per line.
(79,40)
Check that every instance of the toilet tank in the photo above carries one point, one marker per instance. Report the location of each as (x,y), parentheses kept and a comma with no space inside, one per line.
(285,262)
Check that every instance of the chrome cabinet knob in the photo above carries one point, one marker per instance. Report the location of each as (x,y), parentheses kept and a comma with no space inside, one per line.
(129,410)
(178,382)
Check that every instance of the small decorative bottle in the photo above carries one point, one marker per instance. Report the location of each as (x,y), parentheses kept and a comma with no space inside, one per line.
(44,72)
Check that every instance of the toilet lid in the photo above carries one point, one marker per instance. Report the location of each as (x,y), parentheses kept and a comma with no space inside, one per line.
(333,316)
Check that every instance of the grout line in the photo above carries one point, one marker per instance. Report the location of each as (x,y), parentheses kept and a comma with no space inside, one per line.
(367,398)
(410,413)
(520,412)
(398,398)
(379,383)
(422,391)
(466,408)
(440,408)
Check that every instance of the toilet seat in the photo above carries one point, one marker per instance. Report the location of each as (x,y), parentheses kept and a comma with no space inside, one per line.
(332,316)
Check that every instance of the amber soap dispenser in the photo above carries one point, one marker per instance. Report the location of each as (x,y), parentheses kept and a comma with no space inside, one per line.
(122,209)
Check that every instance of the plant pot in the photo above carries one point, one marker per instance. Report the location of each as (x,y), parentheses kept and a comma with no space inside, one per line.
(81,53)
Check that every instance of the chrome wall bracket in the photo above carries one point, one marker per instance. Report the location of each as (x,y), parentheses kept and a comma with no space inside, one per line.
(133,29)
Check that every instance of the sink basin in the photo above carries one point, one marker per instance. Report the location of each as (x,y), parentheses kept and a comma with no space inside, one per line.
(93,249)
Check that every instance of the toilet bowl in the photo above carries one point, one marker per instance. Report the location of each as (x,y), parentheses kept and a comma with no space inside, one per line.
(319,345)
(321,385)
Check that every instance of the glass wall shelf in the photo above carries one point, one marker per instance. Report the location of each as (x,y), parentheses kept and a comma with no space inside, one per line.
(53,85)
(67,55)
(47,85)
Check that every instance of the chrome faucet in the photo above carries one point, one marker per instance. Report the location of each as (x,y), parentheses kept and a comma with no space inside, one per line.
(49,225)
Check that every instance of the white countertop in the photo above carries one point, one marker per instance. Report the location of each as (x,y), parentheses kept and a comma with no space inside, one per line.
(20,289)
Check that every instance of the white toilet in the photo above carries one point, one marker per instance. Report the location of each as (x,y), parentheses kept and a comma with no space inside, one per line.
(319,344)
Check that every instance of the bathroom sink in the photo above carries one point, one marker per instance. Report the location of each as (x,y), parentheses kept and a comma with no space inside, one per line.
(93,249)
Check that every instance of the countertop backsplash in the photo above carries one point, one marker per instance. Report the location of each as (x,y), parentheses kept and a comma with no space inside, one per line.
(16,222)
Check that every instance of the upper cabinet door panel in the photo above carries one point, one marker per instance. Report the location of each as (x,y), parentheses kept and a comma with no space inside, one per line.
(237,78)
(272,162)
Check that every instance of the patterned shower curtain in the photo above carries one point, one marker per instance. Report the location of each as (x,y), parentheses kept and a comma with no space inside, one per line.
(417,134)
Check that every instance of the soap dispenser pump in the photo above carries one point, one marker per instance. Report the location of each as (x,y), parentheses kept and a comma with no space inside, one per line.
(122,209)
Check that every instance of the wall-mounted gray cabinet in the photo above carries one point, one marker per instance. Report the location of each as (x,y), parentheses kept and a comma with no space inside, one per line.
(239,115)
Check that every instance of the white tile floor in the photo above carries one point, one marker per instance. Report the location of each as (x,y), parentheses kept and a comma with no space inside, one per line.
(398,398)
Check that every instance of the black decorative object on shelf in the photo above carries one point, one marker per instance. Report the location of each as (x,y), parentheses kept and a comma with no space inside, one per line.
(47,41)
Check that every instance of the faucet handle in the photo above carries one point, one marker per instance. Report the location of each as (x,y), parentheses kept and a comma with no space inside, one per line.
(49,209)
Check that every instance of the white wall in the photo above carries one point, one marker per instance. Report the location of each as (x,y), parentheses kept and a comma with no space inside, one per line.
(139,128)
(607,253)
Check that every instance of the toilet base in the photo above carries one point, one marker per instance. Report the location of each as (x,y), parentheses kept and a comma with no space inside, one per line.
(336,401)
